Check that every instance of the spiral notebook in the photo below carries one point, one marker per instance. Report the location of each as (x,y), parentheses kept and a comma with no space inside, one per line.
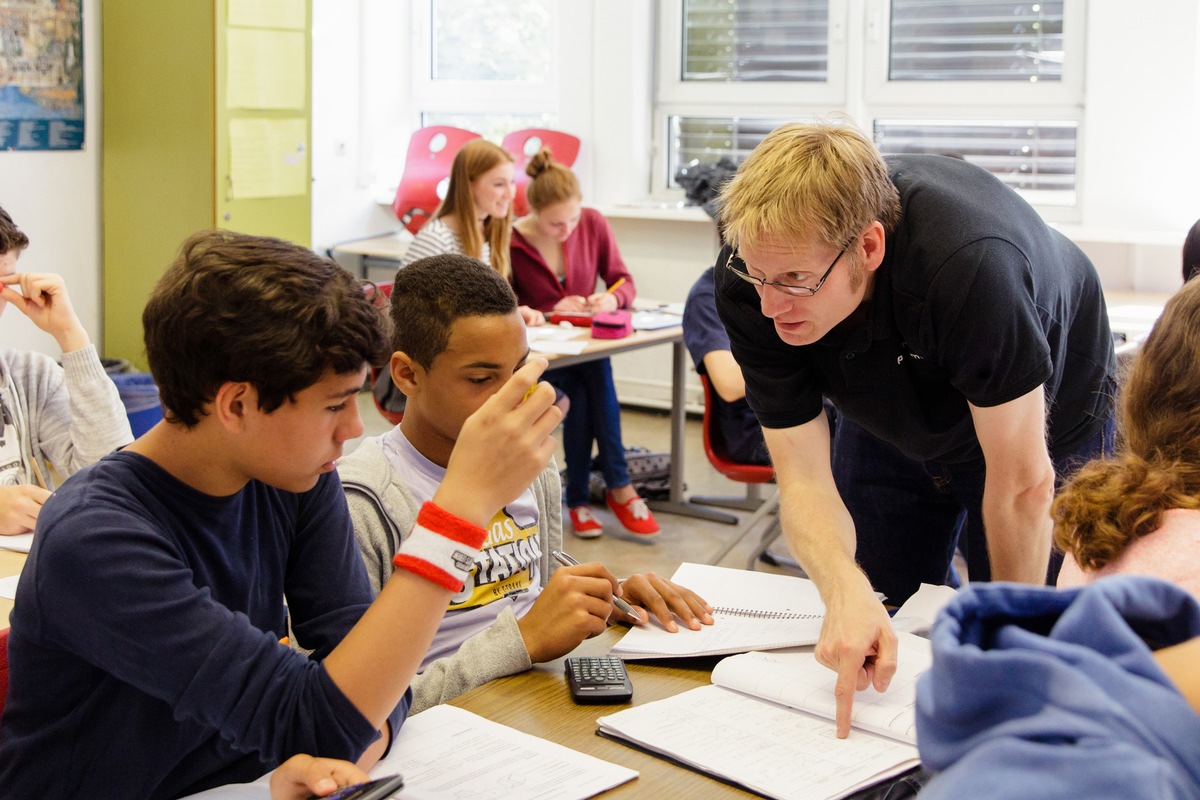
(753,611)
(766,723)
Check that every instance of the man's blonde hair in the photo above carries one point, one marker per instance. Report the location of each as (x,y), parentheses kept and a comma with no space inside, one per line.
(807,183)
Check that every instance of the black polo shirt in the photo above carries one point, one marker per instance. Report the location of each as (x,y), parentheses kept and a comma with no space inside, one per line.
(977,299)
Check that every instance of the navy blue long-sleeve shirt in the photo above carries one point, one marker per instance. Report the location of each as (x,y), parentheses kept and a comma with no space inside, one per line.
(145,656)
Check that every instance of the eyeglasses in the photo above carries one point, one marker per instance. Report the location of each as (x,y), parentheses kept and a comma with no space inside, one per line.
(784,285)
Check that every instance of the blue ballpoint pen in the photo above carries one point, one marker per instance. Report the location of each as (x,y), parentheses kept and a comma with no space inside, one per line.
(625,608)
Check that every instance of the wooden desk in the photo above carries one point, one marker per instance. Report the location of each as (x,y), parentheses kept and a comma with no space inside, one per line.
(539,703)
(376,251)
(675,503)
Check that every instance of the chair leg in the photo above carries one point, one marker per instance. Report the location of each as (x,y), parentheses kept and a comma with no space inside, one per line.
(751,502)
(766,508)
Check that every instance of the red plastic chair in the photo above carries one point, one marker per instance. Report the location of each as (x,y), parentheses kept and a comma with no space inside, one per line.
(431,152)
(382,294)
(527,143)
(753,475)
(715,447)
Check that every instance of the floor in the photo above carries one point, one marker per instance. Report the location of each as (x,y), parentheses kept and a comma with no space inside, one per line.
(682,538)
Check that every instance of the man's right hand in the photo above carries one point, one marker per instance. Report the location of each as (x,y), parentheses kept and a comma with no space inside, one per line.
(858,643)
(19,508)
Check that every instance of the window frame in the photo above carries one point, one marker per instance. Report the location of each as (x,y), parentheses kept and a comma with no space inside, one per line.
(453,96)
(863,94)
(878,90)
(676,91)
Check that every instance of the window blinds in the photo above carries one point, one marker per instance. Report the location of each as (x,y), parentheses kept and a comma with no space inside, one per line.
(975,40)
(755,40)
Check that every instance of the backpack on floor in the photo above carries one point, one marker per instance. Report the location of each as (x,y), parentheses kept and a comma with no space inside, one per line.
(649,472)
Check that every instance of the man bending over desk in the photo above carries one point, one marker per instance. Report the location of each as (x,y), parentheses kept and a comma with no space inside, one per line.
(145,655)
(458,337)
(964,343)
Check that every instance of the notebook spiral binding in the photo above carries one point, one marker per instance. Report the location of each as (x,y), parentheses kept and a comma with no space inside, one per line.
(758,614)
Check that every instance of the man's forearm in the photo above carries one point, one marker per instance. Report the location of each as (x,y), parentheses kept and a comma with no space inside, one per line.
(821,534)
(1018,531)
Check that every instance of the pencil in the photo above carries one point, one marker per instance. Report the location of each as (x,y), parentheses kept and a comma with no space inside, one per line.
(615,286)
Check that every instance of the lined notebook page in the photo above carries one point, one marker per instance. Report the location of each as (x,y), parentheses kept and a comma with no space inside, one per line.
(757,611)
(768,748)
(798,681)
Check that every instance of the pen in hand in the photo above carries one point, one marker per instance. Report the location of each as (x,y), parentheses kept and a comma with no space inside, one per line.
(616,285)
(622,606)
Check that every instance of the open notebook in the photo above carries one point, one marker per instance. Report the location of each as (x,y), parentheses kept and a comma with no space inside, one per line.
(766,722)
(754,611)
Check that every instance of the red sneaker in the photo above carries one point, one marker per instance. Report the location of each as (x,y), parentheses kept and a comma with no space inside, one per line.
(634,515)
(584,523)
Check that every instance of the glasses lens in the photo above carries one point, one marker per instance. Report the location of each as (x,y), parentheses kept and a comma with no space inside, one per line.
(794,288)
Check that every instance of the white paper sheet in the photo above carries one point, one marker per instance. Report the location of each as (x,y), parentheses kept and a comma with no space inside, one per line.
(447,753)
(765,600)
(19,543)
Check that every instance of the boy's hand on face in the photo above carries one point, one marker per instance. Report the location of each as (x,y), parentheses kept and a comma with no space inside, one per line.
(43,298)
(667,600)
(574,605)
(19,508)
(302,776)
(502,447)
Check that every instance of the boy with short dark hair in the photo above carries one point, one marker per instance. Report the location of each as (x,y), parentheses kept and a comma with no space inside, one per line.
(145,654)
(458,336)
(68,416)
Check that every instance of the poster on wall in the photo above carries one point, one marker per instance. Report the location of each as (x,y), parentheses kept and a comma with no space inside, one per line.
(41,75)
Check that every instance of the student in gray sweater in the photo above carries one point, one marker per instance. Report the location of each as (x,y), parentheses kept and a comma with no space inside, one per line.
(68,416)
(458,338)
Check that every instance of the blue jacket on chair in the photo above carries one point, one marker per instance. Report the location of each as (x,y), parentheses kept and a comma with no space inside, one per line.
(1043,693)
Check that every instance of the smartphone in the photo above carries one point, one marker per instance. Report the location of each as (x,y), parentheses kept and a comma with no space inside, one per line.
(379,789)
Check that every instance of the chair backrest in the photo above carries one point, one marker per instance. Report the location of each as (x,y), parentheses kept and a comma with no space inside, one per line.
(717,451)
(377,374)
(431,153)
(527,143)
(3,670)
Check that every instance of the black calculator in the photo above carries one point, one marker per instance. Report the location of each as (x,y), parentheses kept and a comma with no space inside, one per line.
(598,679)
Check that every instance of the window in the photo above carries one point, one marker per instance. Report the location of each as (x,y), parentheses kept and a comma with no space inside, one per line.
(997,83)
(1035,158)
(488,41)
(705,140)
(940,40)
(484,57)
(755,40)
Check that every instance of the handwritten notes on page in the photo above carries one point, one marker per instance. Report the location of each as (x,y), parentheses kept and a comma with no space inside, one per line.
(795,679)
(768,748)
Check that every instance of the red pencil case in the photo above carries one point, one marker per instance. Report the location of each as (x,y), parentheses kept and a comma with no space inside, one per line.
(612,324)
(580,319)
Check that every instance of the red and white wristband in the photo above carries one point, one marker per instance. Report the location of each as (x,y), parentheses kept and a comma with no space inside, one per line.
(441,548)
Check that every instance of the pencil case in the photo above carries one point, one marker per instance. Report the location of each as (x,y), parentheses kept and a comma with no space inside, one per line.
(612,324)
(579,319)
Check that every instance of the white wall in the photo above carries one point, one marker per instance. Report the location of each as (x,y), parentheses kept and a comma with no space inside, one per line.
(54,197)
